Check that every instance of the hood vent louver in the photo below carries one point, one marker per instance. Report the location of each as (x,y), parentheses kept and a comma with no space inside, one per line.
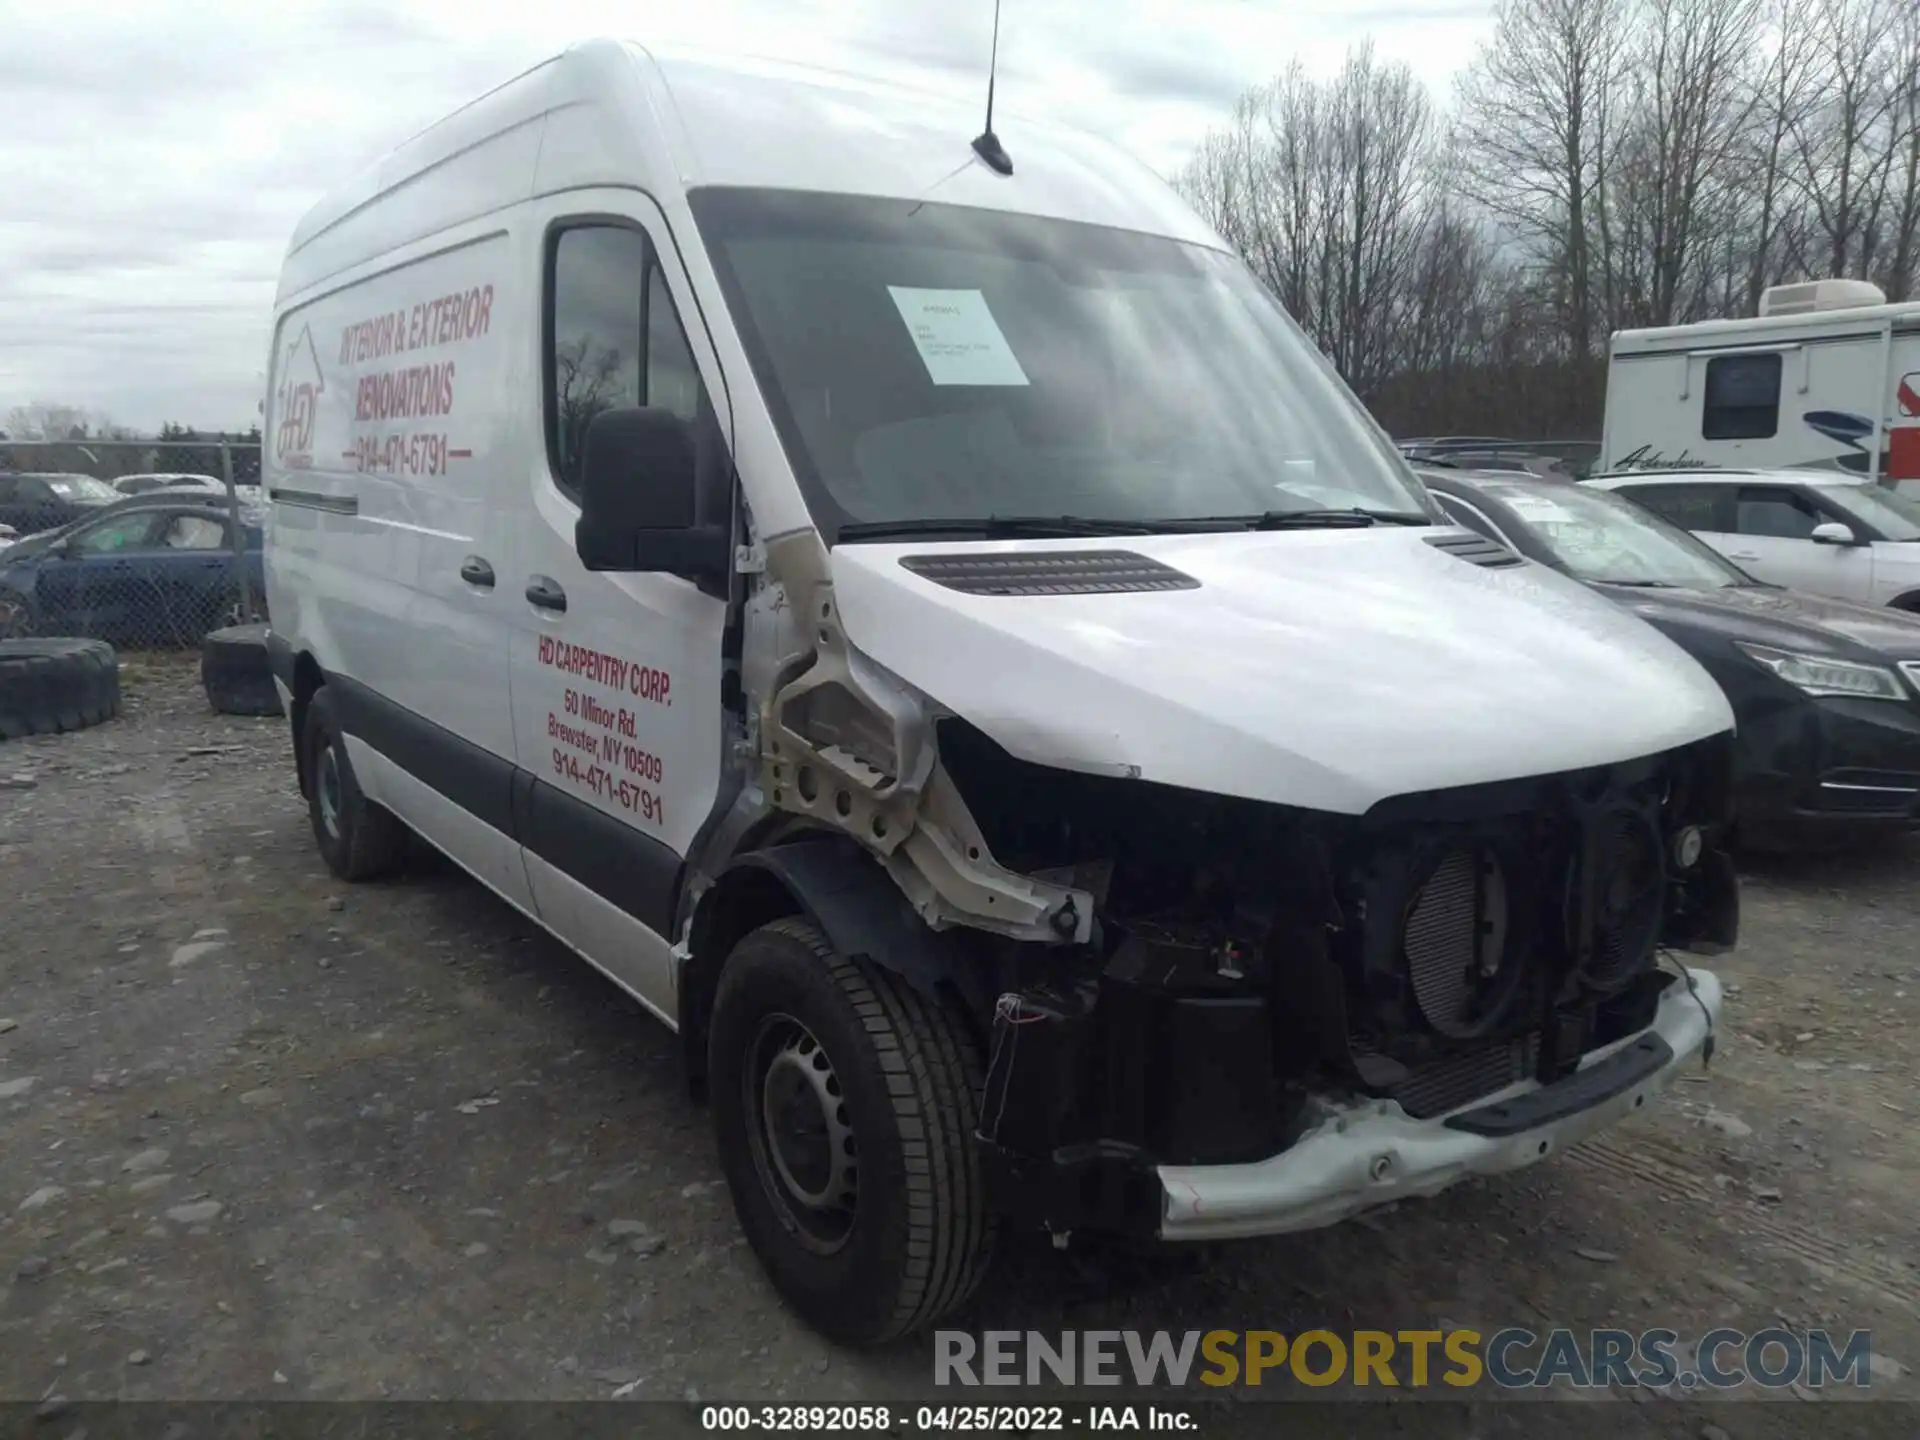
(1050,572)
(1474,549)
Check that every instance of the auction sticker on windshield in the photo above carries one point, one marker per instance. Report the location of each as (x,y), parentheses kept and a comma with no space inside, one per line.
(959,341)
(1539,512)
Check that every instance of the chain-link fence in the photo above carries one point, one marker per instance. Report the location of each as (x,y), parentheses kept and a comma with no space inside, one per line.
(147,544)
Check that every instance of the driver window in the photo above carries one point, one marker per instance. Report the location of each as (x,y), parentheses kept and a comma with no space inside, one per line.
(1775,513)
(596,332)
(673,383)
(195,532)
(128,532)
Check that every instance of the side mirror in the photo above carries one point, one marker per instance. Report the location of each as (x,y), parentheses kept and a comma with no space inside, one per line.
(638,499)
(1832,532)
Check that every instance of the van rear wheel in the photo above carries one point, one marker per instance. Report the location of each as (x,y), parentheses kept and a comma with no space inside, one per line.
(844,1104)
(357,838)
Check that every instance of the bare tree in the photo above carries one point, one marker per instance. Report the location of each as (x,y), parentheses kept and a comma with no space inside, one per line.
(1535,112)
(1691,102)
(41,420)
(1611,163)
(586,382)
(1901,276)
(1783,94)
(1838,172)
(1325,187)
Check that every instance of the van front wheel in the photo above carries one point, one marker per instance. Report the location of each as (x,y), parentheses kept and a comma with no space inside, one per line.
(844,1103)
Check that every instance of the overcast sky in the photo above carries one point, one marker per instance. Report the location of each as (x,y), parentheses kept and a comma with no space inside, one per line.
(156,154)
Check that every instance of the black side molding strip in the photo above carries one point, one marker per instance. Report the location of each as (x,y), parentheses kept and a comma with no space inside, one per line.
(628,869)
(1579,1091)
(476,780)
(314,500)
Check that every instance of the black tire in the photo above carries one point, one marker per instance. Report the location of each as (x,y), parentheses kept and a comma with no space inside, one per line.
(48,687)
(357,839)
(914,1236)
(235,671)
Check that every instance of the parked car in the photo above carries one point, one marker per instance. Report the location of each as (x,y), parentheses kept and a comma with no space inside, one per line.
(1025,730)
(31,502)
(144,574)
(1829,534)
(1824,692)
(148,483)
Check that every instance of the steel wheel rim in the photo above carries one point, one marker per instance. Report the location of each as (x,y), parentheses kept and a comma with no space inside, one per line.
(801,1134)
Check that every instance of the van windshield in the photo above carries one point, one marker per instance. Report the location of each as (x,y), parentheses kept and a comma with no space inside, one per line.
(930,363)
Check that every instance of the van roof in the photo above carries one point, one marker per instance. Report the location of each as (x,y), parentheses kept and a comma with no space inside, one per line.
(1864,320)
(611,113)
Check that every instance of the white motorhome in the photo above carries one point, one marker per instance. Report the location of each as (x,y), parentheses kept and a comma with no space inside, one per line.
(1825,377)
(923,622)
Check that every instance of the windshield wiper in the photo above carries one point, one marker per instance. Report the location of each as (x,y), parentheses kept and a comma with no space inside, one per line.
(1354,518)
(996,526)
(1642,584)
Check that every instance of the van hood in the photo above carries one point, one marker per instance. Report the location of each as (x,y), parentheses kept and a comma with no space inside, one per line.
(1328,670)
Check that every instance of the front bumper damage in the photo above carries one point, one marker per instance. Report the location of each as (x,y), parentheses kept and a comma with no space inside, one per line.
(1372,1152)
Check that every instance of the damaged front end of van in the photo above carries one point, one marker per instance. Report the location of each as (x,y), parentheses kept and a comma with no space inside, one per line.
(1142,783)
(1258,977)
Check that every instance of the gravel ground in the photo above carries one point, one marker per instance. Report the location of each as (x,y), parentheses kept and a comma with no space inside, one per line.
(266,1137)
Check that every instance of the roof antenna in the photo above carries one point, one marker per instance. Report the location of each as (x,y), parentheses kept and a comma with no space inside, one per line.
(987,144)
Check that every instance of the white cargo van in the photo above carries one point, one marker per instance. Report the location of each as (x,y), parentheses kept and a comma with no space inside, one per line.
(922,621)
(1825,377)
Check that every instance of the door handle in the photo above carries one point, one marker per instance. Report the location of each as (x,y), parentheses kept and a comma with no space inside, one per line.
(546,593)
(1742,555)
(476,571)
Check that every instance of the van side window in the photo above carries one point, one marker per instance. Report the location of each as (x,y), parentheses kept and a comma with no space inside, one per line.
(673,381)
(616,339)
(595,324)
(1742,400)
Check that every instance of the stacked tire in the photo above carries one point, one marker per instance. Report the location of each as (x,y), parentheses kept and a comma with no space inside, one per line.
(49,687)
(235,672)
